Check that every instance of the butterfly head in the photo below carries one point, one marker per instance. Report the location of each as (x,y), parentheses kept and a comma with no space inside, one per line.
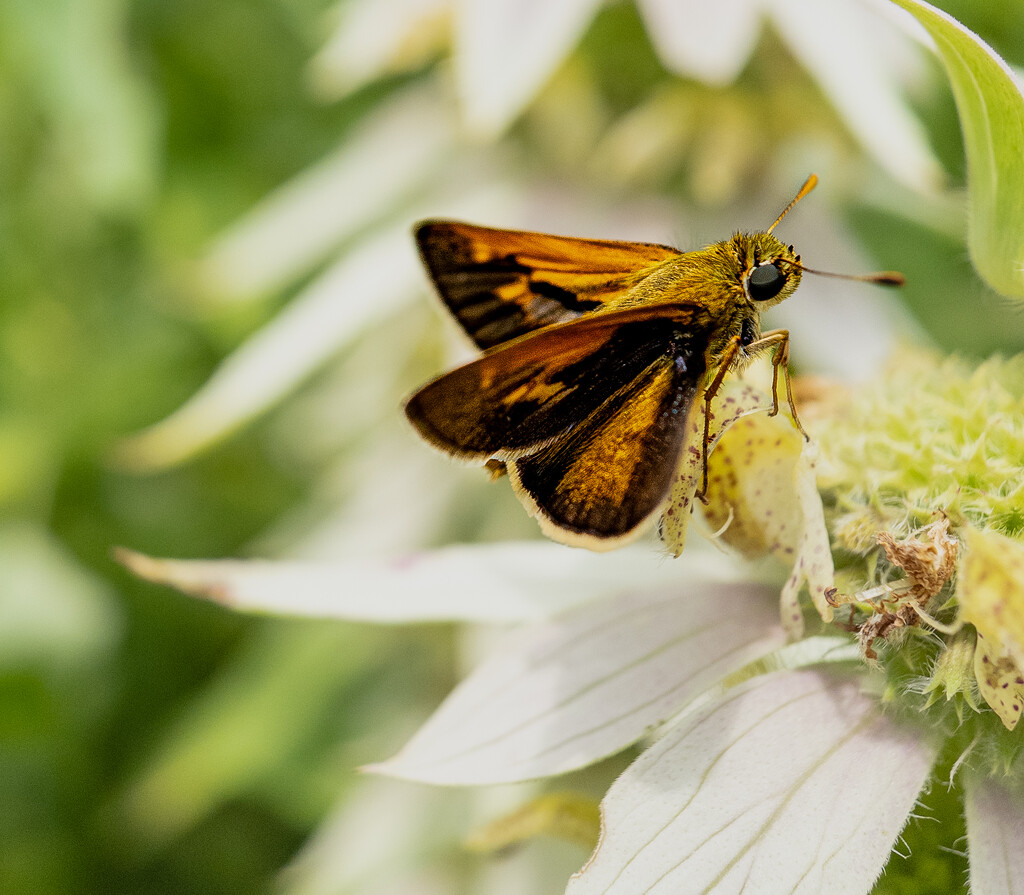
(769,271)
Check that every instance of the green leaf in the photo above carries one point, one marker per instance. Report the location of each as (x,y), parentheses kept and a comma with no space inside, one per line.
(991,107)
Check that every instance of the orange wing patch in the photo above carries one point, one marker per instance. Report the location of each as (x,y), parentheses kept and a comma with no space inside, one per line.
(599,483)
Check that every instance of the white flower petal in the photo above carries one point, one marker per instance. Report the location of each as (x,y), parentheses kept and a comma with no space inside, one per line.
(813,549)
(368,283)
(708,41)
(482,583)
(902,21)
(352,511)
(837,42)
(587,685)
(373,835)
(378,37)
(755,793)
(54,610)
(995,837)
(372,279)
(293,228)
(506,49)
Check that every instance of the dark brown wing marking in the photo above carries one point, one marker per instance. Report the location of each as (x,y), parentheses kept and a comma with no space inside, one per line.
(519,397)
(501,284)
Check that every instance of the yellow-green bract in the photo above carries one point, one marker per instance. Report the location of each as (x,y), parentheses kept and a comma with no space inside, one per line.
(991,107)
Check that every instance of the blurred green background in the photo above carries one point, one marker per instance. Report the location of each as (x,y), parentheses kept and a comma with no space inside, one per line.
(149,743)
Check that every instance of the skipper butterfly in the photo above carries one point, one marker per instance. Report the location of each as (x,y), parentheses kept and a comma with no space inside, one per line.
(595,356)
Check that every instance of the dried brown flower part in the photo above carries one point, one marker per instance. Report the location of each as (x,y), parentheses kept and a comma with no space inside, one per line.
(882,624)
(927,562)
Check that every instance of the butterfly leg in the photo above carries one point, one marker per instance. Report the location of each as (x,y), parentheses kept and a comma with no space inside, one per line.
(780,359)
(497,469)
(779,338)
(728,356)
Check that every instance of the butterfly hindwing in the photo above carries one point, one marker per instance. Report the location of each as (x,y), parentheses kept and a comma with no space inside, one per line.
(598,483)
(501,284)
(520,397)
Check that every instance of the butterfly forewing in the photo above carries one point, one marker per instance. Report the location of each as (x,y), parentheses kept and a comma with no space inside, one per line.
(501,284)
(520,397)
(599,482)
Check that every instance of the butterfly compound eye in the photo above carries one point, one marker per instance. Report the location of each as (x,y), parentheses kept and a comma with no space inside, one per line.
(765,281)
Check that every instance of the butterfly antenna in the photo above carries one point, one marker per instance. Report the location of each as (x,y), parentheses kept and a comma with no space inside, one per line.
(809,185)
(881,278)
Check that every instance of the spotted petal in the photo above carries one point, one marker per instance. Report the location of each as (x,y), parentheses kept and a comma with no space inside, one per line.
(762,494)
(763,497)
(734,401)
(990,591)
